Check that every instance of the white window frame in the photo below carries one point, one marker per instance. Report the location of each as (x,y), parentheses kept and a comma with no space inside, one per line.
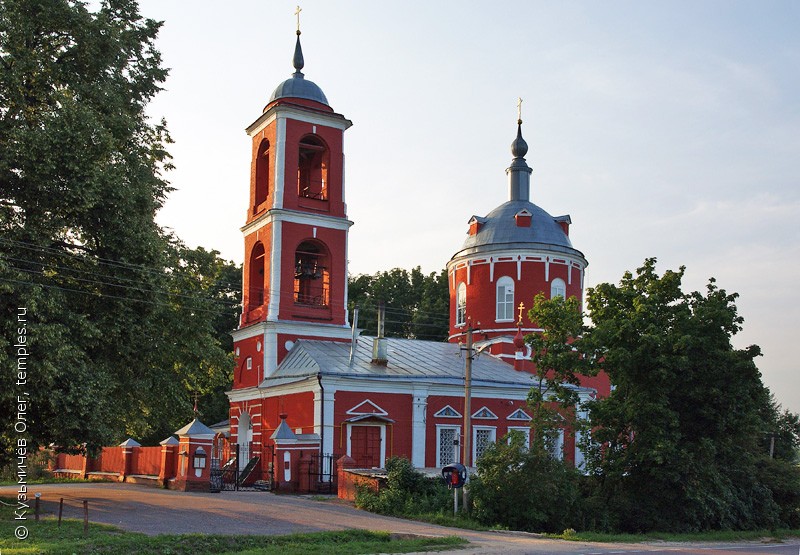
(504,308)
(461,304)
(492,439)
(456,448)
(555,446)
(558,288)
(524,430)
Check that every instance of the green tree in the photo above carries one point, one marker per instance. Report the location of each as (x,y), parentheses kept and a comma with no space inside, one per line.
(416,305)
(117,319)
(557,353)
(679,441)
(782,436)
(193,323)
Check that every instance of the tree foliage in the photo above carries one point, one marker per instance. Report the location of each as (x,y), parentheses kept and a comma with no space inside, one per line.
(417,305)
(525,489)
(122,320)
(679,443)
(408,492)
(557,353)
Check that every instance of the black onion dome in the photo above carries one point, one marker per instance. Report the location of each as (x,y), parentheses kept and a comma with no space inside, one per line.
(519,148)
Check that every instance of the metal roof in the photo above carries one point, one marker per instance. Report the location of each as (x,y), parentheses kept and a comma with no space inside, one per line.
(283,431)
(410,360)
(500,231)
(195,428)
(298,86)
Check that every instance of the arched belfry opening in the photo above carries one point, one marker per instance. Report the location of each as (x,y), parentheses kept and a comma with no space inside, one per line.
(312,274)
(256,277)
(262,175)
(312,168)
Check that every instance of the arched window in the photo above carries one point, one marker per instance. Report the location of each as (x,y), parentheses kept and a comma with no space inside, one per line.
(312,168)
(505,298)
(558,288)
(262,174)
(255,294)
(461,304)
(311,274)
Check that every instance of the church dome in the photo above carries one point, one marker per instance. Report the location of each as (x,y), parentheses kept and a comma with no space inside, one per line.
(518,224)
(499,230)
(298,86)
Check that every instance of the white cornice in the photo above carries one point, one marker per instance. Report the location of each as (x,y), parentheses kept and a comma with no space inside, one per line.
(264,121)
(469,259)
(295,216)
(329,119)
(258,329)
(332,384)
(393,385)
(243,394)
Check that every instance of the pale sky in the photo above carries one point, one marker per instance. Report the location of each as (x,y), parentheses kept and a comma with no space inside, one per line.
(667,129)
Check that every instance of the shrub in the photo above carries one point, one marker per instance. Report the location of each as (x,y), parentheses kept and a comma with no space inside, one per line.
(525,489)
(407,492)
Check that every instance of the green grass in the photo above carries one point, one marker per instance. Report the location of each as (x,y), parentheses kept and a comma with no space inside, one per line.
(447,519)
(713,536)
(46,536)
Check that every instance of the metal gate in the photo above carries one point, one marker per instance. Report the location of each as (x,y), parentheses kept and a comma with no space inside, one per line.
(245,470)
(322,473)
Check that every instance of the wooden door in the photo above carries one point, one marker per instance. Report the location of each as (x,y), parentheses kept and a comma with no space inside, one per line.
(365,446)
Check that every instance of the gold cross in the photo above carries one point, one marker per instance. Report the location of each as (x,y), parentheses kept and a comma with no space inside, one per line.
(521,308)
(519,110)
(297,13)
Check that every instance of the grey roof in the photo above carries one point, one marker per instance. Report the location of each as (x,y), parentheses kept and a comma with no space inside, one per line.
(283,431)
(130,442)
(170,441)
(298,86)
(500,231)
(195,428)
(410,360)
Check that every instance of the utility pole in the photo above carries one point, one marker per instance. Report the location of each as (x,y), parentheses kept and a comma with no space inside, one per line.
(467,410)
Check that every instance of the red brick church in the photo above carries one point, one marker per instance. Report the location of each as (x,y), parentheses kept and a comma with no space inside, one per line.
(305,381)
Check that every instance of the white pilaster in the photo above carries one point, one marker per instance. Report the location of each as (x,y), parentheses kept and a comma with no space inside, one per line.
(275,272)
(418,427)
(280,161)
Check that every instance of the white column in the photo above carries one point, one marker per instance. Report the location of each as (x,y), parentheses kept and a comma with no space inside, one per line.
(420,400)
(323,414)
(580,457)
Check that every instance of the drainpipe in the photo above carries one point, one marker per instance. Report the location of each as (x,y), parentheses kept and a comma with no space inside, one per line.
(321,417)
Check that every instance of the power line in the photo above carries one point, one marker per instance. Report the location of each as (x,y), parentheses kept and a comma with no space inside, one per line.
(105,295)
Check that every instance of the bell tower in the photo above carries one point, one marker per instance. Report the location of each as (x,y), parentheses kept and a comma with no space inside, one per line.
(296,227)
